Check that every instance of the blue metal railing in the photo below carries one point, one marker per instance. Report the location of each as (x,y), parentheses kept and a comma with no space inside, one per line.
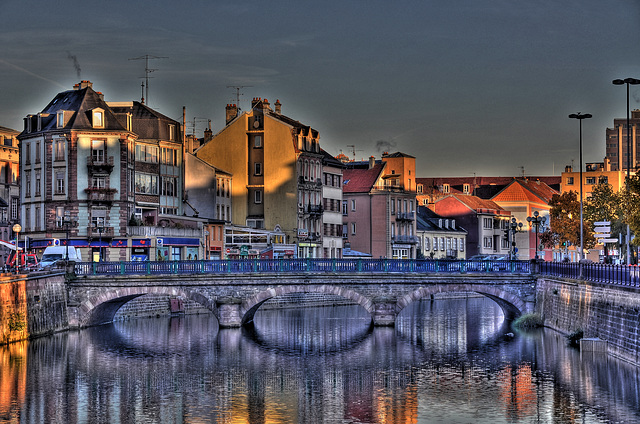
(243,266)
(619,275)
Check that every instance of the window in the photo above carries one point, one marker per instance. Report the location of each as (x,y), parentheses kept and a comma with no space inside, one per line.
(454,244)
(98,217)
(172,132)
(60,119)
(169,156)
(591,180)
(461,244)
(37,218)
(466,188)
(426,244)
(257,168)
(353,205)
(146,153)
(419,188)
(569,180)
(445,188)
(399,205)
(59,216)
(258,196)
(344,208)
(27,155)
(393,229)
(99,181)
(97,151)
(257,141)
(169,186)
(37,152)
(38,181)
(59,149)
(27,183)
(345,231)
(14,207)
(487,223)
(146,184)
(603,179)
(98,118)
(487,242)
(353,228)
(393,206)
(255,223)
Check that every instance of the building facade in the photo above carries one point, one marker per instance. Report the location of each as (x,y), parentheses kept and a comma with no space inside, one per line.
(9,187)
(332,206)
(276,163)
(439,238)
(105,178)
(617,144)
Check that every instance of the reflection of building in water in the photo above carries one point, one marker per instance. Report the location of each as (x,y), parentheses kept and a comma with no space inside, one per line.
(13,381)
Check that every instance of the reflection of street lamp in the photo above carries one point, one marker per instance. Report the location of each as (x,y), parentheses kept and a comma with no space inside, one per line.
(536,220)
(627,81)
(580,117)
(16,229)
(514,227)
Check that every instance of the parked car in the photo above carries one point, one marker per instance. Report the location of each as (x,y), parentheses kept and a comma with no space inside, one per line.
(54,256)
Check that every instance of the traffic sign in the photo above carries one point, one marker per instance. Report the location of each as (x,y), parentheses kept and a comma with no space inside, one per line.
(608,240)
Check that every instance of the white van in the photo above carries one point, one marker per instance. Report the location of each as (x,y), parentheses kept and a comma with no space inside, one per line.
(54,254)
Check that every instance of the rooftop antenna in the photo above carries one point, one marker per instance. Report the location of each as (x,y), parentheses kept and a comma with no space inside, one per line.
(353,149)
(142,92)
(147,70)
(522,170)
(238,93)
(196,120)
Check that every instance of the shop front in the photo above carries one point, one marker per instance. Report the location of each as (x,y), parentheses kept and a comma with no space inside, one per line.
(177,249)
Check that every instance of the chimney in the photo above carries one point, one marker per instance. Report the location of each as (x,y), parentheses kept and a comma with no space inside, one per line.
(99,93)
(266,105)
(232,112)
(372,162)
(83,84)
(278,106)
(255,101)
(568,168)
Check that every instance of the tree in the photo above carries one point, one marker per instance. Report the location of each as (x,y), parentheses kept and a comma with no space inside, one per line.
(605,205)
(630,204)
(564,222)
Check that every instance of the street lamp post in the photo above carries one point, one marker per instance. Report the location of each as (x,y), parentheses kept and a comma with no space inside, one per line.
(66,223)
(536,220)
(580,117)
(628,82)
(514,227)
(16,229)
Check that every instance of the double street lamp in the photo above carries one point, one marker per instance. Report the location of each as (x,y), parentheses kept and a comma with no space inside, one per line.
(536,220)
(580,117)
(628,82)
(514,227)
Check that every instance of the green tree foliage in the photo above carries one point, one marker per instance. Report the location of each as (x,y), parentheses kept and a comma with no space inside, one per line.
(564,225)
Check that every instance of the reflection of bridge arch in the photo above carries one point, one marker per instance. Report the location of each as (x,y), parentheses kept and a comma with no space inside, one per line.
(511,305)
(101,308)
(249,307)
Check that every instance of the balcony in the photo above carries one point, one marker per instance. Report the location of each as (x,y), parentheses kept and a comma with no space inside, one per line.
(314,209)
(405,239)
(107,232)
(95,165)
(100,195)
(153,231)
(405,216)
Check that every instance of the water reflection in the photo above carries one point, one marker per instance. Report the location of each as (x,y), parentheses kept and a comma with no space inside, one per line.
(446,361)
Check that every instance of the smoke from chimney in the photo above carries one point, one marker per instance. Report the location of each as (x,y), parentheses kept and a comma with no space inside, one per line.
(75,62)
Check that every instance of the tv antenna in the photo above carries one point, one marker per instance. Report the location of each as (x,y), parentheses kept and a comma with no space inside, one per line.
(238,93)
(353,149)
(195,122)
(147,71)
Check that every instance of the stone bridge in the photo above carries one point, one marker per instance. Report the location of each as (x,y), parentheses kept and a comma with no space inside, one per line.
(234,299)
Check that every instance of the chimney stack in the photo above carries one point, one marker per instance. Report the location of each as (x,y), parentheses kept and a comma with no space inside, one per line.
(372,162)
(232,112)
(278,106)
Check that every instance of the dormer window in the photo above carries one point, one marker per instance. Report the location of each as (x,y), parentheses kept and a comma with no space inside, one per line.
(172,132)
(466,188)
(98,118)
(60,119)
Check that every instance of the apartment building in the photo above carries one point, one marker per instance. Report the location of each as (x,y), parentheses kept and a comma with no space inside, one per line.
(378,206)
(618,148)
(276,163)
(107,178)
(9,187)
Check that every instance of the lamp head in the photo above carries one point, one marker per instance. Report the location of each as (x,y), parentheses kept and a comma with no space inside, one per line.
(580,116)
(617,82)
(632,81)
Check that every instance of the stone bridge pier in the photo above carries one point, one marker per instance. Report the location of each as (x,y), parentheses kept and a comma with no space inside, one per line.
(235,299)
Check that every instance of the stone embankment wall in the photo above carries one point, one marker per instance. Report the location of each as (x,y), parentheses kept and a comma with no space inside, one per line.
(611,314)
(31,306)
(157,305)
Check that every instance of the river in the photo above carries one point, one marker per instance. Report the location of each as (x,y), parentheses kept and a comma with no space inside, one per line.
(446,361)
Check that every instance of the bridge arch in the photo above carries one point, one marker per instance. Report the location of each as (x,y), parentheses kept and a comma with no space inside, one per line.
(249,307)
(512,306)
(101,308)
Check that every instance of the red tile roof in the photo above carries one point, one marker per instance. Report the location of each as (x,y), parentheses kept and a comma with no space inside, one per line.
(360,180)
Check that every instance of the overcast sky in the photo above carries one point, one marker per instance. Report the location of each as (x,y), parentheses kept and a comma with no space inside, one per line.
(465,86)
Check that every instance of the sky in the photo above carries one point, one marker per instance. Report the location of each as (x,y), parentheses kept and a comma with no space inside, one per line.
(468,87)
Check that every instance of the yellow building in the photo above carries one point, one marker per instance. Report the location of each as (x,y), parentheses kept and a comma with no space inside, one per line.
(276,163)
(592,174)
